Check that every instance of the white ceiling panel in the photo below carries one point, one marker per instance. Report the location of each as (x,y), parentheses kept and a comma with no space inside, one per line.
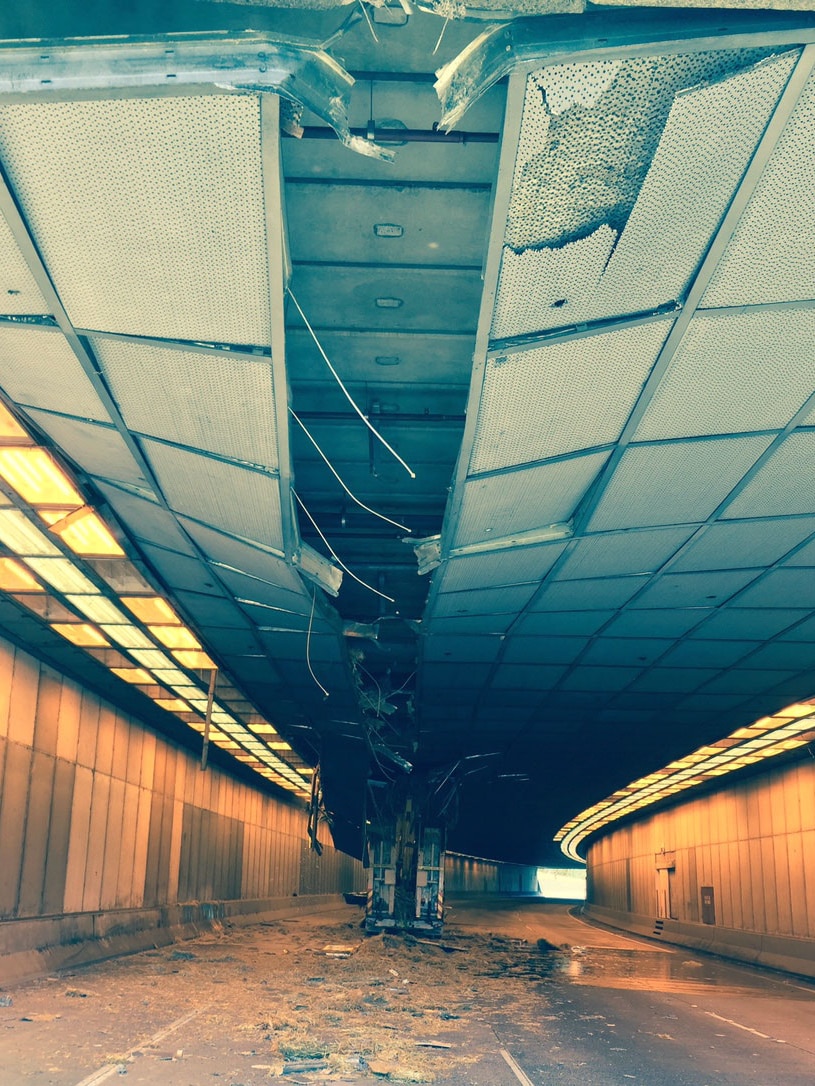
(526,677)
(19,292)
(667,623)
(518,501)
(148,211)
(590,595)
(672,680)
(178,571)
(600,679)
(735,373)
(694,652)
(625,651)
(98,450)
(256,590)
(622,553)
(674,483)
(741,544)
(211,611)
(562,397)
(243,556)
(749,623)
(563,622)
(709,589)
(782,588)
(782,485)
(512,566)
(480,650)
(237,500)
(484,601)
(543,650)
(39,369)
(468,624)
(770,256)
(218,403)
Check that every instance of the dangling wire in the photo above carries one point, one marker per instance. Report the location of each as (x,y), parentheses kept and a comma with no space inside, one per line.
(348,395)
(331,468)
(368,21)
(438,43)
(308,642)
(336,557)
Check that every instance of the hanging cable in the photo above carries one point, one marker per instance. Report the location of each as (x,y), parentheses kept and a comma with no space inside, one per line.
(308,642)
(336,557)
(348,395)
(331,468)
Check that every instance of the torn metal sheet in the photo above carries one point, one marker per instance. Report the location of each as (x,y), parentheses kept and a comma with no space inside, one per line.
(299,71)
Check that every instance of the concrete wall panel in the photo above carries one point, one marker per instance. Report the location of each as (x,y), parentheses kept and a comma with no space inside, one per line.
(13,807)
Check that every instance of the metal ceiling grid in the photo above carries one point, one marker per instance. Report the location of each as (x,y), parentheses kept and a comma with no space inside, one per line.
(18,287)
(600,680)
(798,655)
(674,482)
(238,500)
(719,380)
(738,544)
(214,402)
(621,553)
(501,505)
(562,397)
(39,369)
(211,611)
(248,589)
(98,449)
(803,556)
(180,571)
(148,211)
(677,680)
(461,650)
(543,650)
(747,681)
(525,677)
(789,587)
(695,652)
(469,624)
(782,484)
(515,565)
(668,623)
(770,256)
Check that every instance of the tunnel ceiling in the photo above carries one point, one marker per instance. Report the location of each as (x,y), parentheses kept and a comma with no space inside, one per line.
(576,539)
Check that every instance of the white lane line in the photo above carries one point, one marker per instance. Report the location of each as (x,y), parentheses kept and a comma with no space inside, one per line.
(113,1068)
(738,1025)
(515,1069)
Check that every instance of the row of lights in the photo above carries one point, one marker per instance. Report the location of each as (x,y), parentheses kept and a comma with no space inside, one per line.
(125,624)
(768,737)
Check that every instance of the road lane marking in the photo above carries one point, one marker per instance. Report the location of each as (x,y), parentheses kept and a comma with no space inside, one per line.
(515,1069)
(113,1068)
(738,1025)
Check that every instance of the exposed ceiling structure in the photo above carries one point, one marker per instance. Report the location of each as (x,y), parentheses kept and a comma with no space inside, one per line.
(485,453)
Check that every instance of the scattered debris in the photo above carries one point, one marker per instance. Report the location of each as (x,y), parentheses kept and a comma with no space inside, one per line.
(340,950)
(6,1001)
(75,993)
(40,1017)
(182,956)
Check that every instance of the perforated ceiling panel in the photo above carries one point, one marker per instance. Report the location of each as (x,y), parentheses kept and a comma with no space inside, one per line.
(215,402)
(783,484)
(238,500)
(626,552)
(39,369)
(241,556)
(694,171)
(148,212)
(770,256)
(562,397)
(674,483)
(98,450)
(741,372)
(744,543)
(19,292)
(518,501)
(512,566)
(145,519)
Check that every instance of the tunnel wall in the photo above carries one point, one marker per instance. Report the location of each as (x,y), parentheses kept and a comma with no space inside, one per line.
(112,838)
(732,872)
(472,875)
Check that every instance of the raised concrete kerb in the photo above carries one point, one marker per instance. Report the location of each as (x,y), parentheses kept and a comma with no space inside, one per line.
(37,947)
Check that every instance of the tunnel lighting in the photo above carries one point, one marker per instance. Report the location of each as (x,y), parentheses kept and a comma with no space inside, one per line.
(151,658)
(97,608)
(37,477)
(79,633)
(279,746)
(129,637)
(172,675)
(85,534)
(194,659)
(14,577)
(788,729)
(63,575)
(172,705)
(175,637)
(222,718)
(132,675)
(21,536)
(9,426)
(151,609)
(262,729)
